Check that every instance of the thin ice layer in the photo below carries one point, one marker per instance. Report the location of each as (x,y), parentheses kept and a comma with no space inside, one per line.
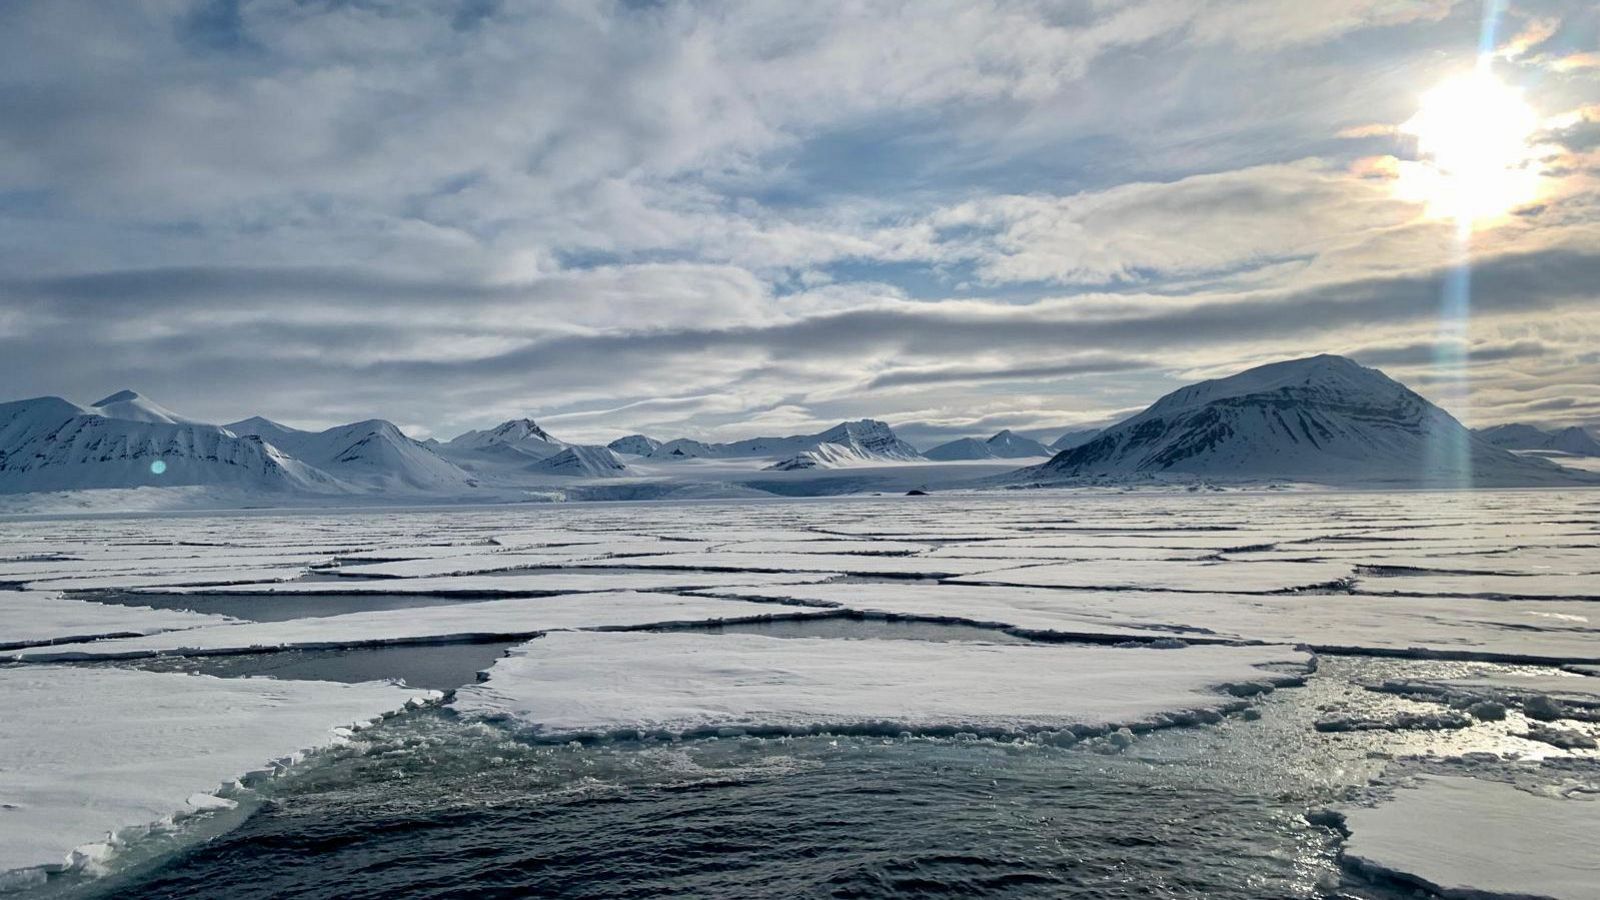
(488,620)
(1463,837)
(572,684)
(87,752)
(43,618)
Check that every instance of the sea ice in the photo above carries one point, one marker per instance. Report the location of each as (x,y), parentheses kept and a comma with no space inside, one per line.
(1465,837)
(89,752)
(849,564)
(455,622)
(520,583)
(1537,630)
(43,618)
(1172,575)
(576,684)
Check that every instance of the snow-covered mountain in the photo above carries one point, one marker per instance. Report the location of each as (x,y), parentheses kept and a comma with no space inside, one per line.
(634,445)
(523,436)
(49,444)
(581,460)
(863,440)
(509,452)
(1074,439)
(130,406)
(1320,419)
(1010,445)
(687,448)
(826,455)
(1517,436)
(960,448)
(372,454)
(1005,445)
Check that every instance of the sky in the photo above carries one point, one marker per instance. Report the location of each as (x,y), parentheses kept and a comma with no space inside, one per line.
(719,220)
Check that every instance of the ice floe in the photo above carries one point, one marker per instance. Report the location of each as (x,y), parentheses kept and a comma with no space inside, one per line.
(28,618)
(599,684)
(1471,838)
(1172,575)
(521,583)
(1542,631)
(87,753)
(459,622)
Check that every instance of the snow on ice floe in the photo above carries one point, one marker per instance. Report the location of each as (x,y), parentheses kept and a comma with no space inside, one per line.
(1544,631)
(1466,837)
(47,618)
(456,622)
(1464,585)
(520,583)
(88,753)
(474,564)
(601,684)
(1559,694)
(847,563)
(1172,575)
(211,577)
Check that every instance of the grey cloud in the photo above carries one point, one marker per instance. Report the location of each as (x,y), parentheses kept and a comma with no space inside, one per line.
(968,374)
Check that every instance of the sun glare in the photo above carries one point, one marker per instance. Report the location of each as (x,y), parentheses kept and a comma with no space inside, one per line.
(1475,162)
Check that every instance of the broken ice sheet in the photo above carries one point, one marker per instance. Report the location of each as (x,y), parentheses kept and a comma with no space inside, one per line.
(457,622)
(1474,585)
(850,564)
(90,752)
(519,583)
(1466,837)
(1538,630)
(42,617)
(1172,575)
(590,683)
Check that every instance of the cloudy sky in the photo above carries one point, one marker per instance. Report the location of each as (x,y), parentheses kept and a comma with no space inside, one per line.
(723,219)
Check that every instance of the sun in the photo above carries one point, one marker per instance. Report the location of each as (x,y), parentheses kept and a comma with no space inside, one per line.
(1475,160)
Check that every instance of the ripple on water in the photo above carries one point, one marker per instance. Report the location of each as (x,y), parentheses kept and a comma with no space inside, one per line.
(429,805)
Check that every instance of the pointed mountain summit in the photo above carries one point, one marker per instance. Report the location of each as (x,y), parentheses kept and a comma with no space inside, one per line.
(373,454)
(860,440)
(959,449)
(871,439)
(1005,445)
(1320,419)
(519,435)
(1010,445)
(49,444)
(581,460)
(634,445)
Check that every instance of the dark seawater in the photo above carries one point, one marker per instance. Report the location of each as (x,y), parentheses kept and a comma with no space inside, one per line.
(428,805)
(270,607)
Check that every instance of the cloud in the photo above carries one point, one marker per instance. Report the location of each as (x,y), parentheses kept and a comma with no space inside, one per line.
(709,219)
(1533,34)
(973,374)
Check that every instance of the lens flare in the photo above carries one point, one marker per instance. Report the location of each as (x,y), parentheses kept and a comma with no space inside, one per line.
(158,467)
(1476,160)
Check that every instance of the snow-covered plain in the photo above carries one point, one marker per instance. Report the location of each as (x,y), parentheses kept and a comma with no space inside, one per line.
(1107,607)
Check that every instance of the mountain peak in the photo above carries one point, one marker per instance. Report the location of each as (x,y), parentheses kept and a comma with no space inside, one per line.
(122,396)
(133,407)
(1321,419)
